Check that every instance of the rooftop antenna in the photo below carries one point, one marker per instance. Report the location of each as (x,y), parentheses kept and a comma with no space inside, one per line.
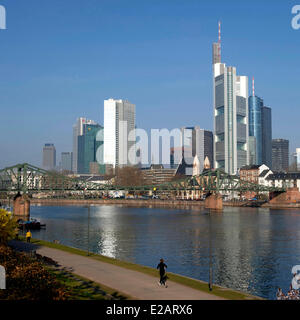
(253,88)
(219,40)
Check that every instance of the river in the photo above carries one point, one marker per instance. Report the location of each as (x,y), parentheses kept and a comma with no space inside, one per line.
(253,250)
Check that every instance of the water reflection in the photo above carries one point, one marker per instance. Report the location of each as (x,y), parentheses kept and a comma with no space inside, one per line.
(252,249)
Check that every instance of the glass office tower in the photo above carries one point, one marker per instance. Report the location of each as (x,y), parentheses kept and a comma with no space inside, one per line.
(260,127)
(88,147)
(255,125)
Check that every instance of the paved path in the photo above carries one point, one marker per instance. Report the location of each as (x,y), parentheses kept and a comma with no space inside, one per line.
(134,283)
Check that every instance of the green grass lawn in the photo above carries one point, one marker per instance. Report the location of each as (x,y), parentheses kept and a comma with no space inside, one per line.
(80,288)
(192,283)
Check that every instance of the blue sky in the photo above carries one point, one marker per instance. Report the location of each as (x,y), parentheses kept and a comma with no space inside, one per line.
(60,59)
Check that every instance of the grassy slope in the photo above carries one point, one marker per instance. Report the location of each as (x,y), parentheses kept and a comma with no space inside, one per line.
(196,284)
(81,288)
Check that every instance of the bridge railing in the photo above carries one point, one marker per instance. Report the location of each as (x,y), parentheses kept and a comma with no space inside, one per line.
(30,179)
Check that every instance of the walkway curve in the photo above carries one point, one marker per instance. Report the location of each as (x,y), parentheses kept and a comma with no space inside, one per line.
(133,283)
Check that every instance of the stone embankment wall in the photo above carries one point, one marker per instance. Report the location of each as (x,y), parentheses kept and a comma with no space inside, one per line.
(289,199)
(124,202)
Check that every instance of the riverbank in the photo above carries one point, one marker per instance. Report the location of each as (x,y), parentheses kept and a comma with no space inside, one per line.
(154,203)
(151,203)
(132,279)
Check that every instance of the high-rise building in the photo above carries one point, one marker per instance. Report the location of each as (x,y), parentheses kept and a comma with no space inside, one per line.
(201,145)
(119,134)
(280,155)
(49,156)
(66,161)
(231,132)
(298,159)
(78,131)
(252,150)
(266,118)
(195,142)
(255,125)
(260,127)
(90,149)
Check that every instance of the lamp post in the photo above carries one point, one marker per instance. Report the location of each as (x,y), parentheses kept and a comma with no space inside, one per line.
(88,244)
(210,284)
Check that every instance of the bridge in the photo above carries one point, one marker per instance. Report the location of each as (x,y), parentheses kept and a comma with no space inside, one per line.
(25,180)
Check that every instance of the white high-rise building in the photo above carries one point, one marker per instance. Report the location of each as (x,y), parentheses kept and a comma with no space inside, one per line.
(119,133)
(231,131)
(298,158)
(78,131)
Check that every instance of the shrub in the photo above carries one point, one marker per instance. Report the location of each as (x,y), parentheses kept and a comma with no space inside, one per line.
(8,226)
(27,279)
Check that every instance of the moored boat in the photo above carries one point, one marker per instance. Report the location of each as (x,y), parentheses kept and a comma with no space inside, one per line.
(30,225)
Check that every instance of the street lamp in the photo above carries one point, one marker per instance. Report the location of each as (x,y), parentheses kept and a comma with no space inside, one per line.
(210,284)
(88,244)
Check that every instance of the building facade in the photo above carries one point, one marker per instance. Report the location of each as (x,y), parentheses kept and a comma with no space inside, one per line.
(252,150)
(157,174)
(78,131)
(280,155)
(200,144)
(231,131)
(260,127)
(119,134)
(66,161)
(49,156)
(266,118)
(250,173)
(282,179)
(298,159)
(90,149)
(255,125)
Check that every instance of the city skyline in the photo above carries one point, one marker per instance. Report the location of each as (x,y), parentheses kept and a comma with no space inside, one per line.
(55,90)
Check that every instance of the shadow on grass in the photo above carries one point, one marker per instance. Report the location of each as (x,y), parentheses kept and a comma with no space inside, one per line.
(81,288)
(78,287)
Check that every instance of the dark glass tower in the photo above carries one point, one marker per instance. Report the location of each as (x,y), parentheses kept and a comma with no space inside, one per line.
(88,147)
(266,120)
(260,129)
(280,154)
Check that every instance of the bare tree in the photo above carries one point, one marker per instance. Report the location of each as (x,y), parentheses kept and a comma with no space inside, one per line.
(293,168)
(129,176)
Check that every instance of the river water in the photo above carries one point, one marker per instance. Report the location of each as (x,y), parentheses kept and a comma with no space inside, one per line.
(253,250)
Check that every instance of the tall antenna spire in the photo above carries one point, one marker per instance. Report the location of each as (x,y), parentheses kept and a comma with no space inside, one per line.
(219,40)
(253,88)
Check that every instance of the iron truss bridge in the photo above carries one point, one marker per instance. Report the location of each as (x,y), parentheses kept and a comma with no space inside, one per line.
(28,179)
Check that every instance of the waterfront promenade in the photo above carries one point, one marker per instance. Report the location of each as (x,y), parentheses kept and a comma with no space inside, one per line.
(135,284)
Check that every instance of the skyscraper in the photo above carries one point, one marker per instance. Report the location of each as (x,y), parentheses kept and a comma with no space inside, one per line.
(49,156)
(78,131)
(266,118)
(119,122)
(255,125)
(90,148)
(201,145)
(260,127)
(280,155)
(252,150)
(66,161)
(231,132)
(295,160)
